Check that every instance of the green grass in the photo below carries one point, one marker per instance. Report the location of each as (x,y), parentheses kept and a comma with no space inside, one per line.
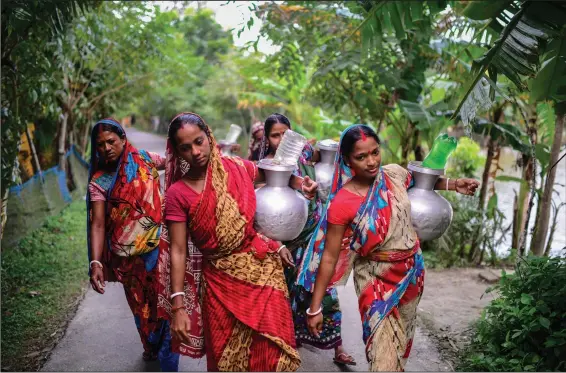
(42,278)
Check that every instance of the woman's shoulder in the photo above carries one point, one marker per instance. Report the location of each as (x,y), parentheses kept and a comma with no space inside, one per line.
(395,171)
(178,189)
(102,179)
(307,153)
(179,193)
(241,164)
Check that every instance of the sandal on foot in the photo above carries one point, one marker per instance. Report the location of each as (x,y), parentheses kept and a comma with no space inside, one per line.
(344,359)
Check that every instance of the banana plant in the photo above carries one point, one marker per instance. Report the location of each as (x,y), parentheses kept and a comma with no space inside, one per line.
(525,28)
(429,125)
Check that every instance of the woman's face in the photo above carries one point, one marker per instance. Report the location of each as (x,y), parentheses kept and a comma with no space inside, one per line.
(109,145)
(276,134)
(193,145)
(365,158)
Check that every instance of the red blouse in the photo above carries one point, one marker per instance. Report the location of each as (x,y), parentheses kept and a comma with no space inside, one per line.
(344,207)
(180,196)
(179,199)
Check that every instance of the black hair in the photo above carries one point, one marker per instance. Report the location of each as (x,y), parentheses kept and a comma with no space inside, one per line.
(272,120)
(353,135)
(104,127)
(183,119)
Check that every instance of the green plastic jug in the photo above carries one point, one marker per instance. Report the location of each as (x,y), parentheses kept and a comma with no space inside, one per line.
(443,146)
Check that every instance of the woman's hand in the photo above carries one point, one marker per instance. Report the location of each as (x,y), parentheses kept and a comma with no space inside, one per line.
(236,148)
(466,186)
(309,187)
(97,279)
(314,325)
(180,326)
(286,257)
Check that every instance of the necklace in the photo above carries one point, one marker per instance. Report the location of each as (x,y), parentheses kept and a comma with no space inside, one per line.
(358,191)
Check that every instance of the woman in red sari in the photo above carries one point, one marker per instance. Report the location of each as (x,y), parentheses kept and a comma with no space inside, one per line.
(370,203)
(123,230)
(237,310)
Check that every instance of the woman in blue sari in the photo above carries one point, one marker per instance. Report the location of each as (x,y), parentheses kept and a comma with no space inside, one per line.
(331,336)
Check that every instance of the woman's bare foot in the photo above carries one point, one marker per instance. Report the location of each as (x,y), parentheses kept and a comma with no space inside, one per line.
(342,357)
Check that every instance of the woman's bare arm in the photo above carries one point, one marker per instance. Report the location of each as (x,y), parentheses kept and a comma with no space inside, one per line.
(178,236)
(97,230)
(327,266)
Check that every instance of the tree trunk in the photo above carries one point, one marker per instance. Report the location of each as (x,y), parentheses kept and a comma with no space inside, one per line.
(491,145)
(417,149)
(4,212)
(556,211)
(533,138)
(33,153)
(541,231)
(516,233)
(406,144)
(523,200)
(85,136)
(62,140)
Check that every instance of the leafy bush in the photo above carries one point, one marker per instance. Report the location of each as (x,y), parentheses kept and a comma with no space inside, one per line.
(524,329)
(466,159)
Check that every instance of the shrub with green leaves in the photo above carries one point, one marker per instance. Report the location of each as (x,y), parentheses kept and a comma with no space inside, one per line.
(466,159)
(524,329)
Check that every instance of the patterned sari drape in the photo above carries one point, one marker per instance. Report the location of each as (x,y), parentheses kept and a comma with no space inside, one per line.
(133,228)
(235,292)
(133,201)
(385,255)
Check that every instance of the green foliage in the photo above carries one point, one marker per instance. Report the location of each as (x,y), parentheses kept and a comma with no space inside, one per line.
(518,52)
(546,121)
(41,280)
(549,82)
(506,134)
(524,329)
(27,27)
(466,159)
(194,71)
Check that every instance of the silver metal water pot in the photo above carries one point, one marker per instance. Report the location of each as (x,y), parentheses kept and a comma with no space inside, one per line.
(431,213)
(281,212)
(324,169)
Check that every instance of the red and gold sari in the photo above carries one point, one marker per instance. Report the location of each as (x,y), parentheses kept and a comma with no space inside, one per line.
(235,291)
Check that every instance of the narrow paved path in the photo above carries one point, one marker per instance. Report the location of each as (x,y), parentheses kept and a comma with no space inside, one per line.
(102,336)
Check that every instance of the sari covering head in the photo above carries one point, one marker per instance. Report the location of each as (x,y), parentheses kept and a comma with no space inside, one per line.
(382,233)
(240,316)
(133,200)
(254,144)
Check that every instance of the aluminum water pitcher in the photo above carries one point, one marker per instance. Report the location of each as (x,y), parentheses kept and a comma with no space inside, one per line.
(324,170)
(281,212)
(431,213)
